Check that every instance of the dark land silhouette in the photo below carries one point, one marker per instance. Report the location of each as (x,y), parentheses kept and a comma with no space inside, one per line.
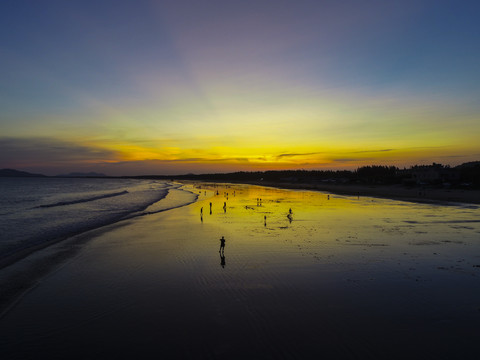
(464,176)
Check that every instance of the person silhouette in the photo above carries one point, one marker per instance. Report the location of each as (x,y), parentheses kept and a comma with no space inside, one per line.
(222,245)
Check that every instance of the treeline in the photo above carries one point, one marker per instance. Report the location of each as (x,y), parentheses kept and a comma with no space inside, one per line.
(466,175)
(470,173)
(369,174)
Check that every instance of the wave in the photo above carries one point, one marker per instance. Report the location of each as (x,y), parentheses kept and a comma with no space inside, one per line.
(56,221)
(78,201)
(174,199)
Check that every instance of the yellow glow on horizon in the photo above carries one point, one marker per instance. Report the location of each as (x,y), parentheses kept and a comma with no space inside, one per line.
(274,157)
(286,128)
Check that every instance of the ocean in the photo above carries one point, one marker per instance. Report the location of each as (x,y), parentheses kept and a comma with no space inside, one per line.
(34,211)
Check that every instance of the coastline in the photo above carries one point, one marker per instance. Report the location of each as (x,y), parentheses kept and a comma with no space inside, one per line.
(161,204)
(393,192)
(22,270)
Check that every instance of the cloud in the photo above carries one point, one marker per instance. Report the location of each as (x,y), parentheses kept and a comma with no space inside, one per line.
(280,156)
(372,151)
(195,160)
(22,152)
(346,160)
(289,155)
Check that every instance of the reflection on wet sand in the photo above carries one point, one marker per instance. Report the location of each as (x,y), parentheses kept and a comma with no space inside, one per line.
(222,260)
(349,278)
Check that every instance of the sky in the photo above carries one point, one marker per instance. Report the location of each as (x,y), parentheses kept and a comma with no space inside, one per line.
(131,87)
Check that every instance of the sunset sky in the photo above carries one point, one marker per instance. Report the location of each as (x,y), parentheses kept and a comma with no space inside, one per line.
(172,87)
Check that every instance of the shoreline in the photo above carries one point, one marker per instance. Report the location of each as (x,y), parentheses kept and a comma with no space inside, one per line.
(22,270)
(393,192)
(21,253)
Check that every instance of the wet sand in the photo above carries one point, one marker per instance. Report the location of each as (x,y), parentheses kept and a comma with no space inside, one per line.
(343,278)
(399,192)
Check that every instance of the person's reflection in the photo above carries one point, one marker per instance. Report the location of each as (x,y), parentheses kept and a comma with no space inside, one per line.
(222,260)
(222,251)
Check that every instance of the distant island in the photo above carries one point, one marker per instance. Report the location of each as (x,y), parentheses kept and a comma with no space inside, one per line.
(80,174)
(17,173)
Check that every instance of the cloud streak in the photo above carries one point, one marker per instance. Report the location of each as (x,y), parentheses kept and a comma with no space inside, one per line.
(372,151)
(287,155)
(21,152)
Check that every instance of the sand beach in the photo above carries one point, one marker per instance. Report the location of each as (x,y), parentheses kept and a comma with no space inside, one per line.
(428,194)
(342,277)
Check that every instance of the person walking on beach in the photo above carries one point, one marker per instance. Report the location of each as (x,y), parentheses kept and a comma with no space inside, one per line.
(222,245)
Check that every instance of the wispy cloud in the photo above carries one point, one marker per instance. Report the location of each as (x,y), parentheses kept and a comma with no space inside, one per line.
(288,155)
(17,152)
(372,151)
(344,160)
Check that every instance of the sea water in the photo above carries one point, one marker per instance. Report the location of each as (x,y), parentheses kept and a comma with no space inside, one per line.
(34,211)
